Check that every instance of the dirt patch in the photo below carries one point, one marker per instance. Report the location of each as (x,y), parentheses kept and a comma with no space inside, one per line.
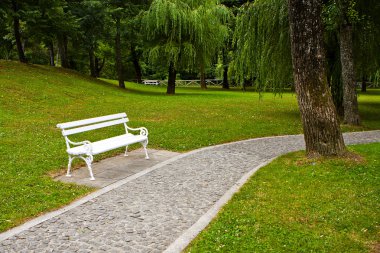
(348,158)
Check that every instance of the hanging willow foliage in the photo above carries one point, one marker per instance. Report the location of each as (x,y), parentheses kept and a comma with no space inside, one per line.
(263,45)
(185,32)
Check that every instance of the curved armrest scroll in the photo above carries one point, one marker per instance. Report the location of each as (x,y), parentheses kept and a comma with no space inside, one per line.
(87,145)
(143,130)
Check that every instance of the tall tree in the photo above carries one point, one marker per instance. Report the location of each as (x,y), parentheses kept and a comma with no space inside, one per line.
(366,42)
(167,27)
(92,26)
(209,34)
(123,14)
(14,13)
(116,9)
(185,34)
(320,122)
(16,29)
(262,45)
(118,58)
(350,101)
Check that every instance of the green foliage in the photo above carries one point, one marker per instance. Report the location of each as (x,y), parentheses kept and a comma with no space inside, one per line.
(263,45)
(299,205)
(363,16)
(187,33)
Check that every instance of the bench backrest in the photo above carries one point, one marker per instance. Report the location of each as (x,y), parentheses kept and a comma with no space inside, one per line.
(85,125)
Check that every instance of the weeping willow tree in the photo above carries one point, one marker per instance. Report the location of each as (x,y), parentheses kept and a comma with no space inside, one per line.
(209,33)
(263,45)
(185,34)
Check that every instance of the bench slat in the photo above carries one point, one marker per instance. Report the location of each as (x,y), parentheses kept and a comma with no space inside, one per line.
(93,127)
(91,121)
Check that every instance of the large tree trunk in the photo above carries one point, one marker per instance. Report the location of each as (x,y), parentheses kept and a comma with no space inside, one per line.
(225,70)
(171,80)
(203,77)
(91,55)
(62,48)
(119,63)
(136,64)
(320,122)
(16,30)
(51,53)
(350,101)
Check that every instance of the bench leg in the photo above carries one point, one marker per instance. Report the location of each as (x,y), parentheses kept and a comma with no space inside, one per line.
(126,151)
(88,160)
(68,174)
(144,144)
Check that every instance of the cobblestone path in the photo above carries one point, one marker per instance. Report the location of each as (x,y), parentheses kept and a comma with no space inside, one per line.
(148,213)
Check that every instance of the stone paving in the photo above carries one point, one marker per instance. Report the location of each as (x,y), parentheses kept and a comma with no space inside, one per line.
(111,170)
(148,213)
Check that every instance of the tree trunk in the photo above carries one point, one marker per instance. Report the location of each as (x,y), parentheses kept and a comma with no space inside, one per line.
(203,77)
(364,84)
(350,100)
(171,80)
(320,122)
(119,63)
(62,48)
(16,30)
(136,64)
(98,67)
(336,87)
(91,55)
(225,70)
(51,53)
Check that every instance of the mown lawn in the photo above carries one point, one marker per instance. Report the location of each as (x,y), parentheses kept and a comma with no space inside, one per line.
(299,205)
(33,99)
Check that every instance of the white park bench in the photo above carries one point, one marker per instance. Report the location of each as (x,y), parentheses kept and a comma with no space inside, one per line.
(85,150)
(154,82)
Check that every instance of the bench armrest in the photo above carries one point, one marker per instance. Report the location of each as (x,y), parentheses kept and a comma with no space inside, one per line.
(143,130)
(87,145)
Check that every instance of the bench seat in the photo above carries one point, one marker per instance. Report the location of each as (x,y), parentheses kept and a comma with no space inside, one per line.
(108,144)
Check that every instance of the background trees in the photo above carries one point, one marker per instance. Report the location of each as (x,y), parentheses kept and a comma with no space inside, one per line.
(263,48)
(242,42)
(185,34)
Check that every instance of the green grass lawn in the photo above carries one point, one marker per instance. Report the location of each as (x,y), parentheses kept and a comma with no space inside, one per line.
(299,205)
(33,99)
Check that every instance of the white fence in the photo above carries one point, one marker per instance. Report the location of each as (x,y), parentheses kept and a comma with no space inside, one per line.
(185,83)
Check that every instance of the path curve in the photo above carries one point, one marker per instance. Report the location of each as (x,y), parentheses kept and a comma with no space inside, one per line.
(161,208)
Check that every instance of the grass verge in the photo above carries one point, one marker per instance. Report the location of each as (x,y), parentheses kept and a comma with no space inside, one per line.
(300,205)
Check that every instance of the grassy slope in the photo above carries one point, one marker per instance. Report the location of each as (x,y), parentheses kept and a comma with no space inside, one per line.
(295,205)
(35,98)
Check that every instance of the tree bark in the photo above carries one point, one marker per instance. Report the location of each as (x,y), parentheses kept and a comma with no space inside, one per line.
(136,64)
(171,80)
(91,55)
(320,122)
(203,77)
(350,101)
(364,84)
(51,53)
(16,30)
(119,63)
(225,70)
(62,48)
